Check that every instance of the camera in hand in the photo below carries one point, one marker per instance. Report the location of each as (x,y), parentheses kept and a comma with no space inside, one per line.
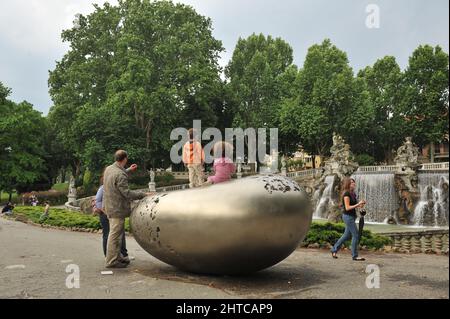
(362,213)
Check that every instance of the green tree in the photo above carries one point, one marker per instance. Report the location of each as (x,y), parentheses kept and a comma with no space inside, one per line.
(425,107)
(328,99)
(258,73)
(22,139)
(133,72)
(385,85)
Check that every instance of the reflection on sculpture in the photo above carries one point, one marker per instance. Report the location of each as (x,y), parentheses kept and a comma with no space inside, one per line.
(235,227)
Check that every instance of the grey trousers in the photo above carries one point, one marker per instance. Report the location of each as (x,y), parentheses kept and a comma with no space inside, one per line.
(116,231)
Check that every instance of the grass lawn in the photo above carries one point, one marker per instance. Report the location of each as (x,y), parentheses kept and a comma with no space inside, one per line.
(4,197)
(61,187)
(60,217)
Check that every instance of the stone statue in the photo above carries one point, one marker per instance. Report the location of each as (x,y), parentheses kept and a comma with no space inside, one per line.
(340,162)
(339,165)
(283,165)
(152,184)
(72,189)
(152,175)
(72,195)
(407,155)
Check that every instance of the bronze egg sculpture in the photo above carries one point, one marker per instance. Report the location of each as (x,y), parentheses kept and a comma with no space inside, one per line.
(236,227)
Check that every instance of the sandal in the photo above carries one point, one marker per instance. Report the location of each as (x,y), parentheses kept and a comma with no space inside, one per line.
(359,259)
(334,255)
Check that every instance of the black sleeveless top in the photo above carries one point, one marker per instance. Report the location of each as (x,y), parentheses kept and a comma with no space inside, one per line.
(353,201)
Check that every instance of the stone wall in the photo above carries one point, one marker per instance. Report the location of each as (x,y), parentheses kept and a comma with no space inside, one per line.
(429,241)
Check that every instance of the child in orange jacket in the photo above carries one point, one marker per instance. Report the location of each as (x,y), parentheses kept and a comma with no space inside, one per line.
(193,159)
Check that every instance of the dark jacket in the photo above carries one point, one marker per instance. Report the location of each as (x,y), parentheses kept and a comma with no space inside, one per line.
(116,194)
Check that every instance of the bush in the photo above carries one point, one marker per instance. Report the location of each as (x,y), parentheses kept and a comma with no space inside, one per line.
(60,217)
(52,196)
(139,178)
(164,179)
(329,233)
(365,160)
(41,185)
(293,164)
(161,180)
(61,187)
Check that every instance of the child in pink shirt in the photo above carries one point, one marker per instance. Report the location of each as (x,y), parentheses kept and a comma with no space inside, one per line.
(223,166)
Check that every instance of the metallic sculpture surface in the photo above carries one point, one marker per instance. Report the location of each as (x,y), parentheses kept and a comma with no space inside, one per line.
(235,227)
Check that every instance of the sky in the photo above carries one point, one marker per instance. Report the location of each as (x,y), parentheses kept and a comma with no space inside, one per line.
(30,42)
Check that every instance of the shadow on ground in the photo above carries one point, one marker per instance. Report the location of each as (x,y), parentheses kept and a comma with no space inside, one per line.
(278,281)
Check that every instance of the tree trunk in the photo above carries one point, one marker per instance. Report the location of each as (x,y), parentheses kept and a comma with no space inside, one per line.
(147,136)
(432,152)
(10,196)
(313,158)
(63,175)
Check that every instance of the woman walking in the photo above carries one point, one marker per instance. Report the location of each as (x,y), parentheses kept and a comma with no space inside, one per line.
(349,203)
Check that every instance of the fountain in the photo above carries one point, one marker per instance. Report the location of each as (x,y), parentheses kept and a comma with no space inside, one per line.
(433,207)
(338,166)
(324,198)
(399,194)
(379,192)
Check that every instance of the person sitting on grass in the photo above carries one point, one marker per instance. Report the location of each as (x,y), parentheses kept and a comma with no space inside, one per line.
(8,209)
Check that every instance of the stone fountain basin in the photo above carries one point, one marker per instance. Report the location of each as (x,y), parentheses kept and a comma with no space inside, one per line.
(235,227)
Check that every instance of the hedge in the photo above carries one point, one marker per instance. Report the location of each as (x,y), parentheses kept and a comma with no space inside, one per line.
(328,233)
(59,217)
(52,196)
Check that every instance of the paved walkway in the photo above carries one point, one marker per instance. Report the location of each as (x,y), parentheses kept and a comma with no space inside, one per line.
(34,261)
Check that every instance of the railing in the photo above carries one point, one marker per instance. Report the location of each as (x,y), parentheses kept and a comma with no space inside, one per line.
(427,241)
(172,188)
(393,168)
(382,168)
(434,166)
(304,173)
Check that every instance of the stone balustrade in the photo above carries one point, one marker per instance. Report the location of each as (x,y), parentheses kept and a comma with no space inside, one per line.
(380,168)
(304,173)
(427,241)
(435,166)
(394,168)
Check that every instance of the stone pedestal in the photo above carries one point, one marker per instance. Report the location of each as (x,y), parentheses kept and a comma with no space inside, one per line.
(71,198)
(152,187)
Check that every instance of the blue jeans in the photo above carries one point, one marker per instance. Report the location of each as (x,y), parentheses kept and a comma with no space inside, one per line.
(104,221)
(350,230)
